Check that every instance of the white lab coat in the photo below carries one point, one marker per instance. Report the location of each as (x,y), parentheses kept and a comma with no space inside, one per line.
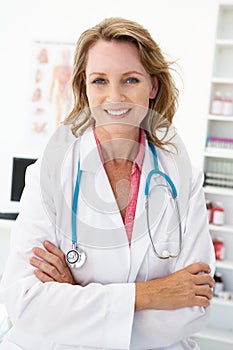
(98,312)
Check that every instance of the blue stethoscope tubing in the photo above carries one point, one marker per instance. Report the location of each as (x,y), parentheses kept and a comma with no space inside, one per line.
(75,205)
(156,171)
(76,257)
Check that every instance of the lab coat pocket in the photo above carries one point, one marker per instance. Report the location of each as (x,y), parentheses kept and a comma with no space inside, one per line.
(7,345)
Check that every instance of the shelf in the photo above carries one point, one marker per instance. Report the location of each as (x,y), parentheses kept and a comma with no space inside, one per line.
(215,334)
(220,118)
(218,153)
(218,190)
(224,42)
(222,80)
(221,302)
(224,228)
(224,264)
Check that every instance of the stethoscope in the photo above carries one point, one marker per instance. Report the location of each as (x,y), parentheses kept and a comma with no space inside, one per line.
(165,254)
(76,256)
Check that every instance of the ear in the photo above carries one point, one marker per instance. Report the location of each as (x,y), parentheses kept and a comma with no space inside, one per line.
(84,76)
(154,87)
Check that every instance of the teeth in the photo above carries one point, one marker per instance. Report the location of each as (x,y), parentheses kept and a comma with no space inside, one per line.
(117,112)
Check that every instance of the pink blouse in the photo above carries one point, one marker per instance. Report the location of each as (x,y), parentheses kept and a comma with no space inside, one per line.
(134,184)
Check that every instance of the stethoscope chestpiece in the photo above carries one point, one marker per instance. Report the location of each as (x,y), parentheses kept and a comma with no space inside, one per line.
(165,254)
(76,257)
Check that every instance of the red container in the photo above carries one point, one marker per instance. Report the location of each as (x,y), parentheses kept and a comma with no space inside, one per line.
(219,248)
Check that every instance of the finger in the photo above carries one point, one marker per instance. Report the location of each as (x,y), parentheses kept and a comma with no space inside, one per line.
(198,267)
(202,301)
(50,247)
(204,279)
(51,258)
(42,276)
(43,266)
(204,291)
(46,256)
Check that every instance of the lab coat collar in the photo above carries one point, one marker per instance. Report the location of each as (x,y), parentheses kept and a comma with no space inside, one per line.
(89,155)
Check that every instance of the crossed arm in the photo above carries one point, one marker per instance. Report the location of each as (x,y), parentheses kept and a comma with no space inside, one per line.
(190,286)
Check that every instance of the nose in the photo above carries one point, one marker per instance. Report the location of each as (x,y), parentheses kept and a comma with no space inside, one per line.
(115,93)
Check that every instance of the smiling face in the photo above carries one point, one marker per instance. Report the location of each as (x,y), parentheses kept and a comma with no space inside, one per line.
(118,87)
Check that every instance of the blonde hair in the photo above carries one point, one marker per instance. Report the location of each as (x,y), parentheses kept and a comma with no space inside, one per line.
(161,109)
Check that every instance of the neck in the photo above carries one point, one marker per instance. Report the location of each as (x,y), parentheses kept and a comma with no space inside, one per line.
(123,147)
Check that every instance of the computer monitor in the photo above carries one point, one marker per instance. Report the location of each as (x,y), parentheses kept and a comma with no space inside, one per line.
(18,176)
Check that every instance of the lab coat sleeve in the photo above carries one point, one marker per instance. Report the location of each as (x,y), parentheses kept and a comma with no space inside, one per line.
(93,316)
(163,328)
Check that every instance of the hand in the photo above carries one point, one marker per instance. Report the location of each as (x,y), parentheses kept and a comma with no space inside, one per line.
(191,286)
(51,265)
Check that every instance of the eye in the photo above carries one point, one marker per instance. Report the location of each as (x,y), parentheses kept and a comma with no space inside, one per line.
(99,81)
(132,80)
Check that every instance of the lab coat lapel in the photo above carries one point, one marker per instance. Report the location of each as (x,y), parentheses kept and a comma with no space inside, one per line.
(97,180)
(158,203)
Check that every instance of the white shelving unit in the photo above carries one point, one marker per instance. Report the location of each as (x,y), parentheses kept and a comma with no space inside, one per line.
(218,167)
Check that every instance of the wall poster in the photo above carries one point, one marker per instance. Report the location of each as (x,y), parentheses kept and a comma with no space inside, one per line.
(51,94)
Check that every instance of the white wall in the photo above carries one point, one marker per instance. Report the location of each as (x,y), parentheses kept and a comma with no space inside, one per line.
(185,30)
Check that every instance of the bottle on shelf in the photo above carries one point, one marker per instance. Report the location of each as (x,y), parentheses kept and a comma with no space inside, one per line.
(227,108)
(209,207)
(216,106)
(219,248)
(219,142)
(219,285)
(218,214)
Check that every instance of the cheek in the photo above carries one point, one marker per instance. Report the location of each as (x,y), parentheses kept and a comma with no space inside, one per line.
(143,100)
(142,96)
(94,97)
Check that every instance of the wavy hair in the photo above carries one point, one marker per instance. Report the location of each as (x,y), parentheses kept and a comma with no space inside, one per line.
(161,109)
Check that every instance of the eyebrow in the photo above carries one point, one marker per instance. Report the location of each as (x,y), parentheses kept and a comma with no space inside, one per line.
(127,73)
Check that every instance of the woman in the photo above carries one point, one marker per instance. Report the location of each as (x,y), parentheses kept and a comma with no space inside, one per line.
(144,277)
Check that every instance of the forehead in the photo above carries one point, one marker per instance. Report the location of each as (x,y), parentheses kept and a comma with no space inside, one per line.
(106,54)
